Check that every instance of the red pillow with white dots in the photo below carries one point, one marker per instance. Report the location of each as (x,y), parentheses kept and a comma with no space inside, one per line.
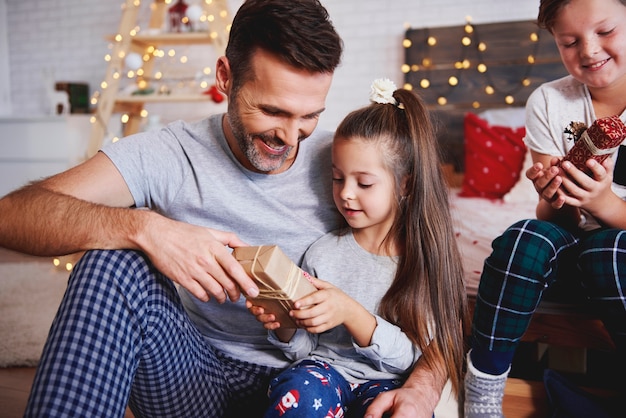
(494,156)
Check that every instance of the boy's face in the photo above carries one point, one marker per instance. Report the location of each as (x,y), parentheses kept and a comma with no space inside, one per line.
(272,112)
(591,37)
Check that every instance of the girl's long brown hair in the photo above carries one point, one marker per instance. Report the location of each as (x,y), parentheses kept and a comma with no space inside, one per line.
(427,297)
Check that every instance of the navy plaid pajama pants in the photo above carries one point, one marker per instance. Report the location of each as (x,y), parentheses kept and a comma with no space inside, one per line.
(534,256)
(121,336)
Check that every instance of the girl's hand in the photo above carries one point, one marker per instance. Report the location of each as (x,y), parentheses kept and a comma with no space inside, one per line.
(330,307)
(322,310)
(268,320)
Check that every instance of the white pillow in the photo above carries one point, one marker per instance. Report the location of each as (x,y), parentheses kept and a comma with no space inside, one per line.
(511,117)
(523,190)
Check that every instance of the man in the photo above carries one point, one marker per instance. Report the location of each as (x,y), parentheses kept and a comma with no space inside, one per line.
(123,332)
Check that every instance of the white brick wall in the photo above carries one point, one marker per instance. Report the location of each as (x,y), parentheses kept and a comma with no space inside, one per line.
(67,36)
(63,36)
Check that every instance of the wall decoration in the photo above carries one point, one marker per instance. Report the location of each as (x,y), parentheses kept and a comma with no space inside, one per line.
(156,64)
(472,66)
(177,18)
(195,14)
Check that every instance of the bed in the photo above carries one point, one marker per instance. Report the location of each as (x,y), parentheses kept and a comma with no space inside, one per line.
(475,80)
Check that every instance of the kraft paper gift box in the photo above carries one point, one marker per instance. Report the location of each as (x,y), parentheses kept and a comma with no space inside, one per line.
(598,141)
(281,282)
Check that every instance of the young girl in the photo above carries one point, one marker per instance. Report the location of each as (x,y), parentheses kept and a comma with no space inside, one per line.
(578,241)
(394,279)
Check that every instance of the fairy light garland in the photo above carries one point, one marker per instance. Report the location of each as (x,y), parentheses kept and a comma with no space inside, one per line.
(120,71)
(469,39)
(524,82)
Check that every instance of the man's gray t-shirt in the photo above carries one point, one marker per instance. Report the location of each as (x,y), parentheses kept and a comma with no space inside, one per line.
(187,172)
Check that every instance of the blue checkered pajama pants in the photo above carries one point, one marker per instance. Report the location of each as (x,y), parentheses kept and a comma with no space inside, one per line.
(532,257)
(314,389)
(121,336)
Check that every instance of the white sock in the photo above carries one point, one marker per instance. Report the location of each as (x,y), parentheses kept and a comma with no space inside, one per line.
(483,393)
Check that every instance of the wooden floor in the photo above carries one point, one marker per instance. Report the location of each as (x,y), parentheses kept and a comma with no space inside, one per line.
(525,399)
(15,386)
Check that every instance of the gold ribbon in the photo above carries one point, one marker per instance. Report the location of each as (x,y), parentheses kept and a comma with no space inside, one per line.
(283,295)
(593,148)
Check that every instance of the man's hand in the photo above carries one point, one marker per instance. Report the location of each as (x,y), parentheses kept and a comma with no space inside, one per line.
(401,403)
(417,398)
(89,207)
(197,258)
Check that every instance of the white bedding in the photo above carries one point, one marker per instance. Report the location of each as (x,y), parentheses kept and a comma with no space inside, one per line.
(477,222)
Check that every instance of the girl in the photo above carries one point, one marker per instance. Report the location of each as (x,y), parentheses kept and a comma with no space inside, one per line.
(577,241)
(394,275)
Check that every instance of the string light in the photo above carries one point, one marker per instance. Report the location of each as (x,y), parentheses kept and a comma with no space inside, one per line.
(469,38)
(118,71)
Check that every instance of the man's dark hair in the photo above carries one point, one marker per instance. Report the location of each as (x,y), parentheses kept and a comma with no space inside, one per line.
(298,32)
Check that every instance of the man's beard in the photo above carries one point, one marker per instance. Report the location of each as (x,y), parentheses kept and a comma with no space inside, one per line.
(263,162)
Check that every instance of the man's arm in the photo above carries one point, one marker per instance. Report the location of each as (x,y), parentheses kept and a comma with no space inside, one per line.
(88,207)
(83,208)
(417,398)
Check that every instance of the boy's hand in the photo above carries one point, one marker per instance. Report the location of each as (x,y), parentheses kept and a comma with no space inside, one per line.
(588,192)
(547,181)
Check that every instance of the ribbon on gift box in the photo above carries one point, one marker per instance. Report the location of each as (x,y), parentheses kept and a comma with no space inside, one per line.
(283,294)
(281,282)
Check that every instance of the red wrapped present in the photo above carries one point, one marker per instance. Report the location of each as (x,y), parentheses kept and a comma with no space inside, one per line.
(281,282)
(598,141)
